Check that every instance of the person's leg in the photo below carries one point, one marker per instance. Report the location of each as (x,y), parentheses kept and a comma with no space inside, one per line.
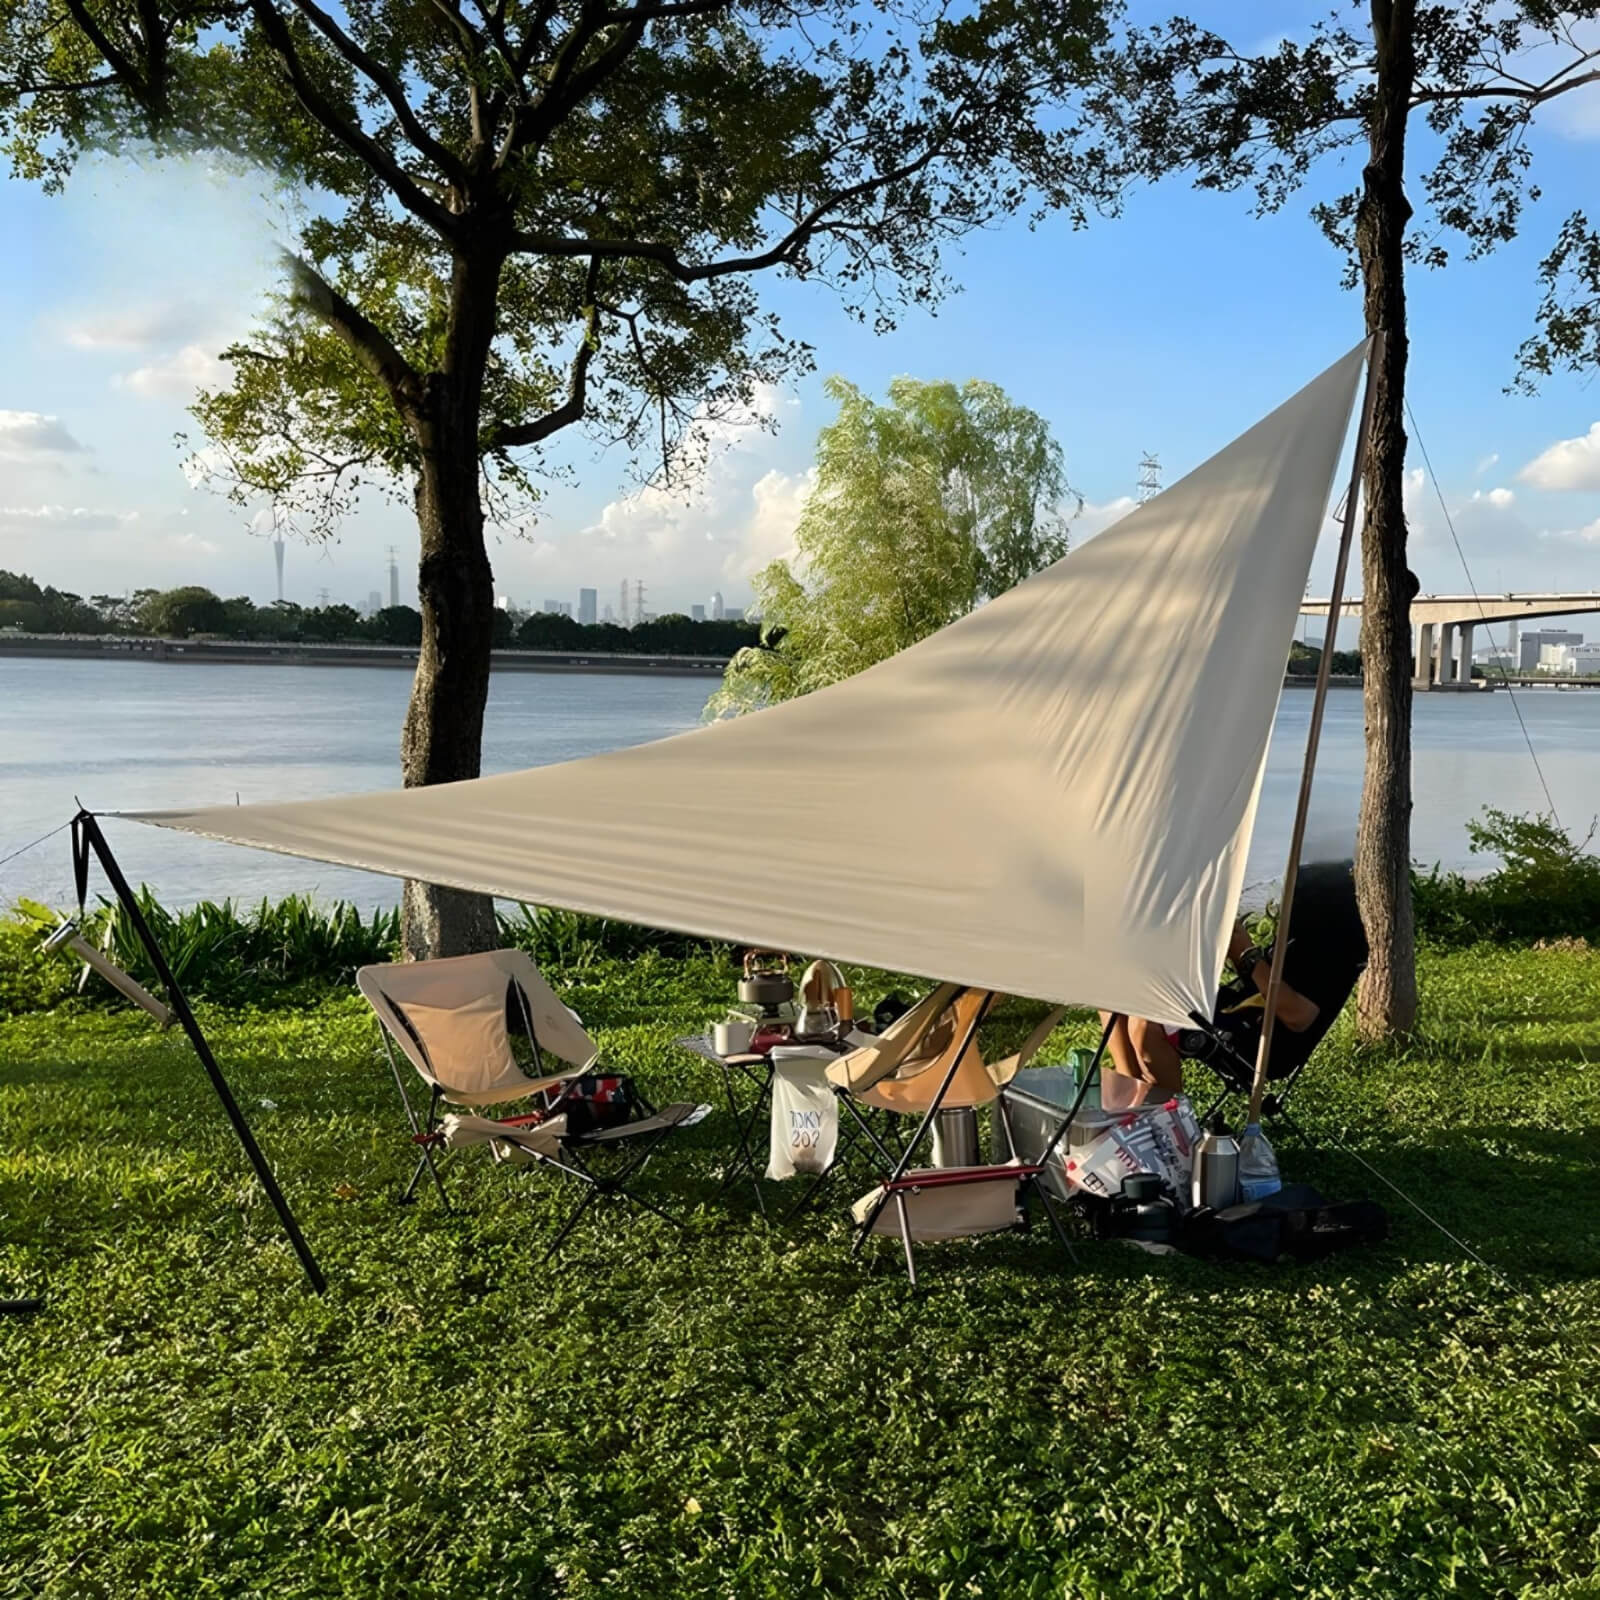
(1160,1065)
(1124,1085)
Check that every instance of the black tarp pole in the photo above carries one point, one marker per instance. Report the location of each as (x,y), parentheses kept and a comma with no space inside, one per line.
(87,836)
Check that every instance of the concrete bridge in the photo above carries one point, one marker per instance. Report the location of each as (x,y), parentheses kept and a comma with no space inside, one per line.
(1442,626)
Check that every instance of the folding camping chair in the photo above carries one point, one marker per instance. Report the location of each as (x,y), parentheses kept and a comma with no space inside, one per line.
(453,1020)
(1326,955)
(927,1061)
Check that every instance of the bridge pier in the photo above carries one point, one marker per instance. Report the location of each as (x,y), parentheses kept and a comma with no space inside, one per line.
(1447,653)
(1464,659)
(1421,678)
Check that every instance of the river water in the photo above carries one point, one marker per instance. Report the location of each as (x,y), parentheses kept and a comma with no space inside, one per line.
(130,735)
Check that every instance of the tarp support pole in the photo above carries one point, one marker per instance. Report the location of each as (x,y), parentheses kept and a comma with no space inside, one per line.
(87,836)
(1280,940)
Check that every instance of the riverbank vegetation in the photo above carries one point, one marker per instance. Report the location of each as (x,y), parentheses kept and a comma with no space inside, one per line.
(742,1410)
(193,612)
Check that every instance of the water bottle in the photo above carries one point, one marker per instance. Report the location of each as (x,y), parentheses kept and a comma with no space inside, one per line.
(1216,1168)
(1258,1166)
(1081,1061)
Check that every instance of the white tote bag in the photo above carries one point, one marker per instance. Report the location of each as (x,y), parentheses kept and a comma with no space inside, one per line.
(805,1115)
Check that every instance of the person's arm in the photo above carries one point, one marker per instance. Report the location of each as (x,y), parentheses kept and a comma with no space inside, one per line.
(1293,1009)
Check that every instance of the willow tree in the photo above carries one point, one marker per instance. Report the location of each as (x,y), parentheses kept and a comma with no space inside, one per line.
(524,216)
(922,508)
(1376,81)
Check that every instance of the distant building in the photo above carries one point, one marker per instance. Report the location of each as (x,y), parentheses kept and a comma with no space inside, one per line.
(608,615)
(1535,641)
(733,614)
(1496,660)
(374,603)
(1585,659)
(394,580)
(557,608)
(697,613)
(717,610)
(588,602)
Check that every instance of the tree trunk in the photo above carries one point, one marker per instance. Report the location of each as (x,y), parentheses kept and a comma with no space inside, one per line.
(443,737)
(1387,1006)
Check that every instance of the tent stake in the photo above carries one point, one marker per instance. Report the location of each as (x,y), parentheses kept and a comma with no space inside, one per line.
(87,836)
(1280,941)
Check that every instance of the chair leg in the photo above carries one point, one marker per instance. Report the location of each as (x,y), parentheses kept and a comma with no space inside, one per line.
(649,1205)
(1040,1189)
(905,1237)
(571,1222)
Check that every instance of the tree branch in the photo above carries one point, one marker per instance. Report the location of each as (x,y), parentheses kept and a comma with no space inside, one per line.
(665,256)
(311,292)
(1536,94)
(355,139)
(127,74)
(571,409)
(388,86)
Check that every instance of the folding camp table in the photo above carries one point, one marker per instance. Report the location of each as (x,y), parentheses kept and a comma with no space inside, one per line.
(755,1071)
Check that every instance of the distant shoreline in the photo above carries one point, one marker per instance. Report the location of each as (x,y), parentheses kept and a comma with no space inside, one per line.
(269,653)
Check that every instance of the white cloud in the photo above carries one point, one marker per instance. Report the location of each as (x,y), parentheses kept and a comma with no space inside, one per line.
(1095,518)
(180,373)
(140,329)
(29,433)
(1499,498)
(1487,462)
(1589,534)
(80,518)
(1567,464)
(778,499)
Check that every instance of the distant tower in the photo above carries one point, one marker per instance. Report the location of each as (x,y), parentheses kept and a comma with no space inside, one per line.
(322,597)
(1149,477)
(277,556)
(1514,644)
(717,609)
(588,607)
(394,577)
(623,613)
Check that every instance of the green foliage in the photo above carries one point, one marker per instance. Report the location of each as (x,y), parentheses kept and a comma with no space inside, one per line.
(922,508)
(176,613)
(1547,886)
(288,952)
(742,1410)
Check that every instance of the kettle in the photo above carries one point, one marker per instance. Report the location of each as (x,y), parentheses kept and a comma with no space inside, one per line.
(765,982)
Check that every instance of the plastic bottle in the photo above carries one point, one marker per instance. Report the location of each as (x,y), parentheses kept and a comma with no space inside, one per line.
(1216,1168)
(1080,1061)
(1258,1166)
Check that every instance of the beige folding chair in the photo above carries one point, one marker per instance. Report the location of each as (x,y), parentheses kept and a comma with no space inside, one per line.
(927,1061)
(453,1020)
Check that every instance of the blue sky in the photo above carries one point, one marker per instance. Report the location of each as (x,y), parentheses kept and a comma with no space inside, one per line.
(1168,329)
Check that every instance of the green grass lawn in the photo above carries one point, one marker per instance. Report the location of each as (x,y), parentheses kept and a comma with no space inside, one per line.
(743,1410)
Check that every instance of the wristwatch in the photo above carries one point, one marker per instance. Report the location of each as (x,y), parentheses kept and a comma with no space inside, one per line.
(1247,962)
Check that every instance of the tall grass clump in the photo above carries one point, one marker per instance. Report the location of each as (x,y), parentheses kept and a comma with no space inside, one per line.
(1547,886)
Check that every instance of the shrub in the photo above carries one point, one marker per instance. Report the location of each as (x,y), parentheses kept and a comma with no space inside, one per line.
(288,951)
(1546,886)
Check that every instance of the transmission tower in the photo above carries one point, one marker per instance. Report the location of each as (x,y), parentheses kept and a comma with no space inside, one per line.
(277,556)
(1149,477)
(394,576)
(322,597)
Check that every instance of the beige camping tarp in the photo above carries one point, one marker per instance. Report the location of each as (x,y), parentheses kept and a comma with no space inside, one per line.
(1051,797)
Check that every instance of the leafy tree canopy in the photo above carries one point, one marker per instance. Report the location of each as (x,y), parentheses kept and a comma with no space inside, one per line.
(563,202)
(923,507)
